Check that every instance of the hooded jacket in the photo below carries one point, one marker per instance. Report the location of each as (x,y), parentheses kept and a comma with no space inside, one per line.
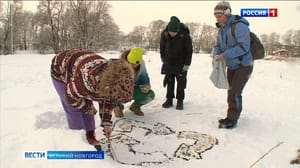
(87,76)
(176,51)
(236,51)
(141,74)
(142,77)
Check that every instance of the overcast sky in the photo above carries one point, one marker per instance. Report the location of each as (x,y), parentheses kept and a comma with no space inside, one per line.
(128,14)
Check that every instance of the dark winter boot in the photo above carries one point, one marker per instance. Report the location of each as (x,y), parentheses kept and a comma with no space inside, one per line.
(168,103)
(222,120)
(136,109)
(179,105)
(90,137)
(227,123)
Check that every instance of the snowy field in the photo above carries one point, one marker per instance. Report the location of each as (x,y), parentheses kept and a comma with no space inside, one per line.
(32,119)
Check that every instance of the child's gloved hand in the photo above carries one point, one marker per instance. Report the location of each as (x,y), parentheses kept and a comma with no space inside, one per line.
(145,88)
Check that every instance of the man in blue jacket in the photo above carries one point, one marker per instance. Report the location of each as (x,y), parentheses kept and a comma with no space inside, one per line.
(235,51)
(142,93)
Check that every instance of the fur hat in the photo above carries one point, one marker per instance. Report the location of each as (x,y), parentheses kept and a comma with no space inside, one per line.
(117,82)
(223,7)
(174,24)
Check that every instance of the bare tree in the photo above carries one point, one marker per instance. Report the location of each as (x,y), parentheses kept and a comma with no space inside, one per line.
(108,34)
(264,40)
(153,35)
(10,25)
(296,38)
(17,24)
(23,36)
(294,47)
(40,32)
(207,38)
(92,26)
(59,25)
(52,13)
(287,38)
(272,43)
(195,31)
(80,23)
(47,25)
(1,27)
(4,30)
(75,24)
(138,36)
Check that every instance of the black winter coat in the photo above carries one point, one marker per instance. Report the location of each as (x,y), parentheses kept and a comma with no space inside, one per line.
(176,51)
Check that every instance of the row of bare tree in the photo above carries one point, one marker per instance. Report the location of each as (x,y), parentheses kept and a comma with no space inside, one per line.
(59,25)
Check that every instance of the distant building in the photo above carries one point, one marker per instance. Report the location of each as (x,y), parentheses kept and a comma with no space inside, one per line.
(282,53)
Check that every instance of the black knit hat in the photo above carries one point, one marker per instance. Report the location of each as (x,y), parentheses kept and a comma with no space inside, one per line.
(223,7)
(174,24)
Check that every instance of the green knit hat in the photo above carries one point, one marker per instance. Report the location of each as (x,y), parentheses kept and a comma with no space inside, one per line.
(174,24)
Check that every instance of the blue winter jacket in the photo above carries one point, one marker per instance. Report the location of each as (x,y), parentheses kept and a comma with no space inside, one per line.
(236,50)
(142,77)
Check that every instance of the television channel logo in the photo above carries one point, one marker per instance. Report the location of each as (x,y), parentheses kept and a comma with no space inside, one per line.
(259,12)
(34,155)
(63,155)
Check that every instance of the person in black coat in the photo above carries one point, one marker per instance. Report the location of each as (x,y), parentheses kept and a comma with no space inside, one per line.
(176,51)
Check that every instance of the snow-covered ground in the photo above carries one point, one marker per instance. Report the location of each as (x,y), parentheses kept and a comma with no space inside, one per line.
(32,118)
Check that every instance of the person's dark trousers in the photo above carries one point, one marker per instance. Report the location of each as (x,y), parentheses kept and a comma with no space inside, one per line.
(181,85)
(237,80)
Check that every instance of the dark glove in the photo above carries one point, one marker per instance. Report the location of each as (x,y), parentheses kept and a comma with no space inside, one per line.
(145,88)
(165,81)
(163,60)
(163,69)
(185,68)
